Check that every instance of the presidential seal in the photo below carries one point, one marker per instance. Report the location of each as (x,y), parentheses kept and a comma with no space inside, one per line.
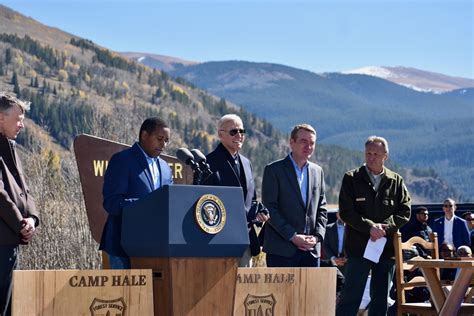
(210,214)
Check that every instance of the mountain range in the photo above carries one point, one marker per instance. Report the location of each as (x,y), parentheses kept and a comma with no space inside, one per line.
(77,86)
(424,129)
(416,79)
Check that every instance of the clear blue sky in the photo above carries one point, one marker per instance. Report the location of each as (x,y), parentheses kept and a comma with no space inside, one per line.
(315,35)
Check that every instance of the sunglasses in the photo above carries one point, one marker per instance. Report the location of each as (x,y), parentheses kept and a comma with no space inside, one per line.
(234,131)
(424,214)
(448,205)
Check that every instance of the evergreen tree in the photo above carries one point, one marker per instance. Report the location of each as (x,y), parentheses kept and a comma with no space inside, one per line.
(8,56)
(16,86)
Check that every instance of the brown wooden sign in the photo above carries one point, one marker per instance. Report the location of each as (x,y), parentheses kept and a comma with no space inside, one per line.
(285,291)
(92,157)
(82,292)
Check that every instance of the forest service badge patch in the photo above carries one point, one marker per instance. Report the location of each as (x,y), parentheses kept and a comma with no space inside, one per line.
(260,305)
(210,214)
(115,307)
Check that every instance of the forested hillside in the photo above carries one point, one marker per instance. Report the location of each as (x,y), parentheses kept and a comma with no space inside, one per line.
(76,86)
(424,129)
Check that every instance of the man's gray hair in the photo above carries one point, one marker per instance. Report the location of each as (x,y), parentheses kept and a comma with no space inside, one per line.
(8,101)
(226,118)
(377,139)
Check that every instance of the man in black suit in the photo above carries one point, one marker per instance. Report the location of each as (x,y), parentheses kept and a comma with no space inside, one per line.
(232,169)
(293,190)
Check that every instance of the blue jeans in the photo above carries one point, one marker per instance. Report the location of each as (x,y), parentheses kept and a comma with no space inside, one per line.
(300,259)
(117,263)
(357,272)
(8,262)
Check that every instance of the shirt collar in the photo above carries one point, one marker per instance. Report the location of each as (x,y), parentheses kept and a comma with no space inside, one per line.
(146,155)
(371,174)
(295,165)
(449,220)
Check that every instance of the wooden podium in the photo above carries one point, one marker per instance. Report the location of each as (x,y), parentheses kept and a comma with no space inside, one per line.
(194,267)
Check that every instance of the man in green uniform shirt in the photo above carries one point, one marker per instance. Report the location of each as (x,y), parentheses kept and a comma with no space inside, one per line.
(374,202)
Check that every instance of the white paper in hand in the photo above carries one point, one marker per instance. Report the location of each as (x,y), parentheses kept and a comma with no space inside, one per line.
(374,249)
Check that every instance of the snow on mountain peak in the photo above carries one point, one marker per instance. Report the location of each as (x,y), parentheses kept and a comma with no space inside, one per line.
(375,71)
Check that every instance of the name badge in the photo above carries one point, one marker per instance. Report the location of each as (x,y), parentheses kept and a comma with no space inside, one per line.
(361,199)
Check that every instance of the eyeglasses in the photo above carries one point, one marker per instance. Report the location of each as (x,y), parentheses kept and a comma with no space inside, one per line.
(448,205)
(234,131)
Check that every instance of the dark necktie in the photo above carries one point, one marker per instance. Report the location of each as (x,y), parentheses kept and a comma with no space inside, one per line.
(237,166)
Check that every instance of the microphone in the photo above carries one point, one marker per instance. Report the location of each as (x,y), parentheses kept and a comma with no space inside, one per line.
(185,156)
(200,159)
(198,155)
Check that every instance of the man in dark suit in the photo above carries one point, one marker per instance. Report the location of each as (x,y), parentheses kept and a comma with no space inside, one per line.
(333,253)
(132,174)
(451,228)
(334,242)
(469,218)
(18,215)
(293,190)
(232,169)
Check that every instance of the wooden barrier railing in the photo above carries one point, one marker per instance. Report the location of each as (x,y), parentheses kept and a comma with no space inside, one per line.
(258,291)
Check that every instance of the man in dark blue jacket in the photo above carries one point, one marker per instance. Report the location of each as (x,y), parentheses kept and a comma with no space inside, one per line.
(451,228)
(132,174)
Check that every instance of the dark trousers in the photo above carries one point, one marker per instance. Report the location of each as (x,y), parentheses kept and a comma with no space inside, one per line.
(8,262)
(300,259)
(357,272)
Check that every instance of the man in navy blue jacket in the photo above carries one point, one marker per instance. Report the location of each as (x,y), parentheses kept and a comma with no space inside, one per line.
(132,174)
(451,228)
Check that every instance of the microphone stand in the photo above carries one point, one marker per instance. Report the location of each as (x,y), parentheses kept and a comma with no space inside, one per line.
(197,176)
(206,172)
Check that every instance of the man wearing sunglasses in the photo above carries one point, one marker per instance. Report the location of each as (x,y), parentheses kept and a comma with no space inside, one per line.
(451,228)
(293,190)
(231,168)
